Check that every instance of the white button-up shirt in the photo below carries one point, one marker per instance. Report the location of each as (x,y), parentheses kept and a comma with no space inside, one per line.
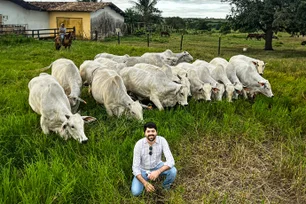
(142,160)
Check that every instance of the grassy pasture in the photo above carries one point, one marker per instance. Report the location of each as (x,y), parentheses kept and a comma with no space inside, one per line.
(240,152)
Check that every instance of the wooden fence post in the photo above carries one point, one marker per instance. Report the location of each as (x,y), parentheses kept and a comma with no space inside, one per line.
(118,38)
(181,46)
(148,39)
(219,46)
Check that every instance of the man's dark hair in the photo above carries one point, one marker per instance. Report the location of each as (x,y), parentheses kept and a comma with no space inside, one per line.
(149,125)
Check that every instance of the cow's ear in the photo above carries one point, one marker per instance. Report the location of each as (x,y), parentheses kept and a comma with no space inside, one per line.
(261,83)
(88,119)
(67,116)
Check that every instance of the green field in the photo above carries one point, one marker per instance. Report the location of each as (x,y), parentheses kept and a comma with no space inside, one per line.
(240,152)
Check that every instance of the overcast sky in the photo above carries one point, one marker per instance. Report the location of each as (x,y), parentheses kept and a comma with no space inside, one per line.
(180,8)
(186,8)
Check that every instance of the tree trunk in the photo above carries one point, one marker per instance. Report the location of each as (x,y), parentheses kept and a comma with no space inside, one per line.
(269,34)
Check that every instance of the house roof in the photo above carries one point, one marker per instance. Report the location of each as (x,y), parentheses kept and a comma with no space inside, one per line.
(26,5)
(75,6)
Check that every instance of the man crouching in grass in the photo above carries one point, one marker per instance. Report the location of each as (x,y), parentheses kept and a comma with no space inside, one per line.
(147,163)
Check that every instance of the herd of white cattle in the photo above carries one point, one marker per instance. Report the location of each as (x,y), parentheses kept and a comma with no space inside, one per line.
(165,78)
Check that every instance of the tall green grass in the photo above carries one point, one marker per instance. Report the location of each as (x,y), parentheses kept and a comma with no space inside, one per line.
(240,152)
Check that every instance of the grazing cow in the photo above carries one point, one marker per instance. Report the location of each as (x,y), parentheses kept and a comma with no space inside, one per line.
(199,89)
(230,73)
(108,89)
(180,57)
(47,98)
(165,34)
(260,65)
(256,35)
(249,77)
(116,58)
(68,76)
(204,75)
(219,74)
(86,70)
(113,65)
(168,71)
(156,87)
(156,60)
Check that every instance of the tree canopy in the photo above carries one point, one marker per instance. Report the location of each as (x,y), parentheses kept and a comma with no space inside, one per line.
(270,16)
(147,10)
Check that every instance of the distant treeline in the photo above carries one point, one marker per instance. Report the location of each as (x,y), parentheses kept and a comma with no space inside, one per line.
(177,24)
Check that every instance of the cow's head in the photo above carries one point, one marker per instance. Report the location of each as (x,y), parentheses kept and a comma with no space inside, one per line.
(219,93)
(135,110)
(182,95)
(265,88)
(187,57)
(73,126)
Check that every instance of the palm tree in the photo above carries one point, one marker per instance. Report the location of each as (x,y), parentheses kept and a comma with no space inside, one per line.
(146,8)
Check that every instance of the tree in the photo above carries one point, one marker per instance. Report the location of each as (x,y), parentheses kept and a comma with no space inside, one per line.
(175,22)
(131,17)
(266,15)
(146,8)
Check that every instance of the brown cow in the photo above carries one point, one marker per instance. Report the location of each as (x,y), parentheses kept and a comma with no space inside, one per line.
(164,33)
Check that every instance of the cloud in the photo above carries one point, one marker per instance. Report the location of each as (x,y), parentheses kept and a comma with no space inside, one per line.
(186,8)
(180,8)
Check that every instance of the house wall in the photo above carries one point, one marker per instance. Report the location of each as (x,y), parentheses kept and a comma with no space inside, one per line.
(106,22)
(18,15)
(72,19)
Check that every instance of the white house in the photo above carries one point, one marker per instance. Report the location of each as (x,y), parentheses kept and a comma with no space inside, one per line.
(86,17)
(21,13)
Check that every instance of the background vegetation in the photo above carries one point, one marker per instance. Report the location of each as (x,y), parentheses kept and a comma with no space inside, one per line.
(240,152)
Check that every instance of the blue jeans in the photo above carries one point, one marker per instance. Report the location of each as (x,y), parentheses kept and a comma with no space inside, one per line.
(137,186)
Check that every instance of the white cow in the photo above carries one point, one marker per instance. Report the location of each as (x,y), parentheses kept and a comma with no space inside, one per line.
(156,87)
(47,98)
(181,56)
(204,75)
(168,71)
(230,73)
(87,68)
(260,65)
(168,54)
(219,74)
(68,76)
(249,77)
(116,66)
(199,89)
(116,58)
(156,60)
(108,89)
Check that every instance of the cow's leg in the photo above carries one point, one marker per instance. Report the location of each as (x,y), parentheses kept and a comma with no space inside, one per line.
(156,102)
(44,126)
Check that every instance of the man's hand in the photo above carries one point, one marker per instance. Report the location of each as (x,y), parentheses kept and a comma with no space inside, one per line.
(154,175)
(149,187)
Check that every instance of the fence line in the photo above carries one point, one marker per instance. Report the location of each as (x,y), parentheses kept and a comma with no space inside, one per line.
(47,33)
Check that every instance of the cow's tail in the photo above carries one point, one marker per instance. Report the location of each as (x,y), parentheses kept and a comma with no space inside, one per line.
(46,68)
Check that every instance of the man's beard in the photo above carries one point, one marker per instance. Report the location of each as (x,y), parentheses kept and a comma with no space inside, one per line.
(151,138)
